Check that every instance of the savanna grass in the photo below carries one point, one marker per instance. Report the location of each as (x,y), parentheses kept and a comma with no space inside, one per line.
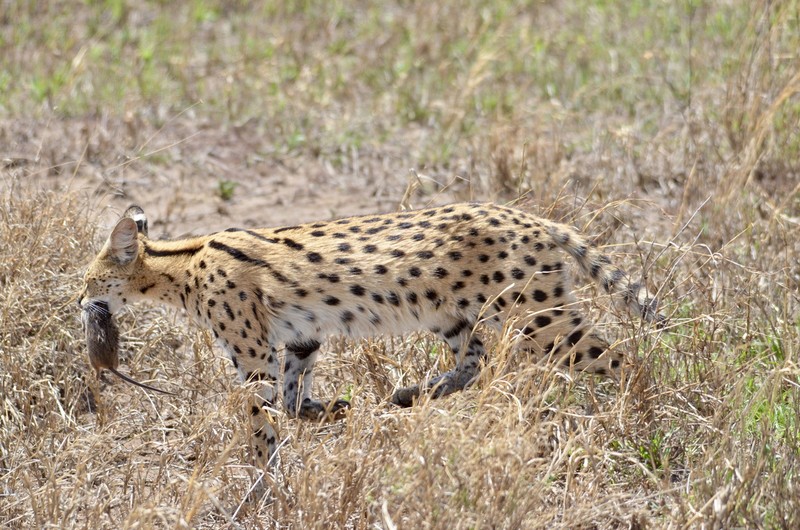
(668,130)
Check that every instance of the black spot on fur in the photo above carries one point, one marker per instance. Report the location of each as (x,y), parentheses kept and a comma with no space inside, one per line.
(440,272)
(457,329)
(302,349)
(574,337)
(595,352)
(291,243)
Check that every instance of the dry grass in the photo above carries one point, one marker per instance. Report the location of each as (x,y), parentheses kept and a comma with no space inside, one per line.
(669,130)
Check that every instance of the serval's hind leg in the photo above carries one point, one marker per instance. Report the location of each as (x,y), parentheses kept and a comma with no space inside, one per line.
(469,352)
(568,339)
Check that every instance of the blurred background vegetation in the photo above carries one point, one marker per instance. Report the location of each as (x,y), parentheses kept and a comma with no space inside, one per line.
(322,77)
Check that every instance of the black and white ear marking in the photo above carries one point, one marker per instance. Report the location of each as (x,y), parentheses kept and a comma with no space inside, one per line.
(137,214)
(122,243)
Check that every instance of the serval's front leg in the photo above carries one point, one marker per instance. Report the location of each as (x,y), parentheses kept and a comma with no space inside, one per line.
(261,409)
(298,378)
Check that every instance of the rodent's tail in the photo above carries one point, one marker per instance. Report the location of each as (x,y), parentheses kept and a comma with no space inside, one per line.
(612,279)
(133,381)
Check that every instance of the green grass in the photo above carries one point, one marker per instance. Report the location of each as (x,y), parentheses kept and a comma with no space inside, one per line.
(432,66)
(381,68)
(226,189)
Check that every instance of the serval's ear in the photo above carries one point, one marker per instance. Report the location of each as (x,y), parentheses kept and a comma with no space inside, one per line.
(137,214)
(123,245)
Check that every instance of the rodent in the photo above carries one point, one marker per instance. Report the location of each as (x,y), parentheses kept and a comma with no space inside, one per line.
(102,341)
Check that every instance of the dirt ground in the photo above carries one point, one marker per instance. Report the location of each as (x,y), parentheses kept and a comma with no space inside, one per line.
(183,197)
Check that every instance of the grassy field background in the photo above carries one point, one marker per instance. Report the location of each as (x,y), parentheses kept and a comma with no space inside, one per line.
(670,131)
